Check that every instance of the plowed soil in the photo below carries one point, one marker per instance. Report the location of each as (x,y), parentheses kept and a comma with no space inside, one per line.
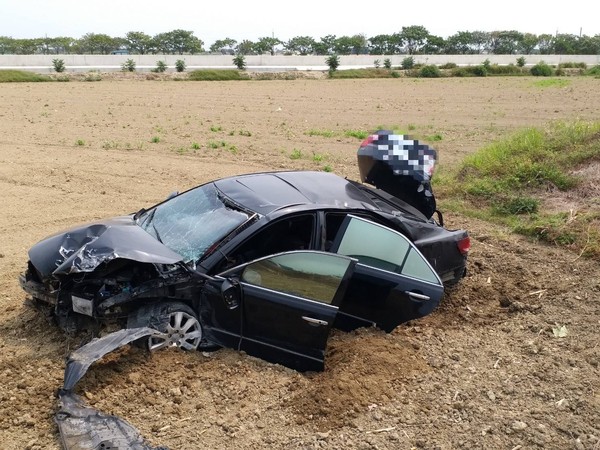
(510,360)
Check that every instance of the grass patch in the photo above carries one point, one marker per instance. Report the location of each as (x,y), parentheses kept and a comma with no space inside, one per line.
(362,73)
(358,134)
(21,76)
(322,133)
(506,183)
(296,154)
(552,82)
(217,75)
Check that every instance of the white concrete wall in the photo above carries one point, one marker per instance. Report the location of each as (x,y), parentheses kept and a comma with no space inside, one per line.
(43,63)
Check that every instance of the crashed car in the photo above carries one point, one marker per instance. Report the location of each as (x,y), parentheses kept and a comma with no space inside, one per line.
(266,262)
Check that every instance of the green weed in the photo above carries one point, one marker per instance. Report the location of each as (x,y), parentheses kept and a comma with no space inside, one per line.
(358,134)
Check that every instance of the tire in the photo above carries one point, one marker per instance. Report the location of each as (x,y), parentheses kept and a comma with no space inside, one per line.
(176,320)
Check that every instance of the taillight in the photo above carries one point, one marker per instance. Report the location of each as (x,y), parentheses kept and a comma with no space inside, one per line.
(464,245)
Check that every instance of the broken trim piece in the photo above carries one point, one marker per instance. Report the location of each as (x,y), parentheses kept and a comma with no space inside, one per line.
(82,427)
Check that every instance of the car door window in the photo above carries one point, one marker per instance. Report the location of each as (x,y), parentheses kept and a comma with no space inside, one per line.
(312,275)
(286,234)
(380,247)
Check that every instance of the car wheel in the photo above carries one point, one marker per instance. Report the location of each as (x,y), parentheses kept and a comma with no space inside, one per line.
(180,326)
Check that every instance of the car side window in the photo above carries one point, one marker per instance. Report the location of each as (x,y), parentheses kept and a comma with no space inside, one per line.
(311,275)
(287,234)
(378,246)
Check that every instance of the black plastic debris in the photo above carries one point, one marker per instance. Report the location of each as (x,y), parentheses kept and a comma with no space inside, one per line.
(82,427)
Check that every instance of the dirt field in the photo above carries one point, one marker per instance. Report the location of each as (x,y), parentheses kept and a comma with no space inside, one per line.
(484,371)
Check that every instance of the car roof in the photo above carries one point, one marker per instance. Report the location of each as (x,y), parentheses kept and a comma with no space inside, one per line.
(269,191)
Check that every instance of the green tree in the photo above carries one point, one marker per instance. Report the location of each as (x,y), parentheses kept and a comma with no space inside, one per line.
(504,42)
(302,45)
(350,45)
(63,44)
(333,62)
(227,44)
(178,42)
(382,44)
(326,45)
(180,65)
(589,45)
(97,43)
(266,45)
(139,42)
(527,44)
(344,45)
(7,45)
(26,46)
(58,65)
(245,47)
(461,43)
(415,37)
(128,66)
(239,61)
(434,46)
(546,44)
(566,44)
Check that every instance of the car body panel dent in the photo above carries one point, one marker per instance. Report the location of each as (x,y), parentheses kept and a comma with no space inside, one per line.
(84,248)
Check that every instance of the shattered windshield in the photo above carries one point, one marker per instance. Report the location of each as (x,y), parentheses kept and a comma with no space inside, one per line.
(192,222)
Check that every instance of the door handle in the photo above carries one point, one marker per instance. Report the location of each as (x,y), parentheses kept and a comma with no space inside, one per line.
(314,321)
(415,296)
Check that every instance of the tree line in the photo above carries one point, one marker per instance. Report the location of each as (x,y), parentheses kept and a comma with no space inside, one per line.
(412,40)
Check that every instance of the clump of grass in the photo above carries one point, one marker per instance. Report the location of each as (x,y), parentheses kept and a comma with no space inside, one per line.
(93,76)
(541,69)
(506,182)
(552,82)
(361,73)
(358,134)
(216,128)
(80,142)
(21,76)
(327,169)
(245,133)
(217,75)
(322,133)
(594,71)
(107,145)
(155,139)
(435,137)
(195,146)
(317,157)
(296,154)
(216,144)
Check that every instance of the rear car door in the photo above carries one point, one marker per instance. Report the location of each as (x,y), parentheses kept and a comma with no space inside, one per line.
(392,282)
(285,307)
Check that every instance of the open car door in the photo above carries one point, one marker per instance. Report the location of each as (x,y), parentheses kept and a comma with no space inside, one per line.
(392,282)
(279,308)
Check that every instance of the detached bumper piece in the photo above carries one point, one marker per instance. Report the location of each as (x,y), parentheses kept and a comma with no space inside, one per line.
(82,427)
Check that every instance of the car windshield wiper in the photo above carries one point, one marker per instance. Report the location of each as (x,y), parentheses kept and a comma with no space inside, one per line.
(149,220)
(137,215)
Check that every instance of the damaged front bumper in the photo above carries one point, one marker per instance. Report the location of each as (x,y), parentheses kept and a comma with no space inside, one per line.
(38,290)
(82,427)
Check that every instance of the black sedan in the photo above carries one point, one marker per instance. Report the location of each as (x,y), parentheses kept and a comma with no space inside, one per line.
(267,263)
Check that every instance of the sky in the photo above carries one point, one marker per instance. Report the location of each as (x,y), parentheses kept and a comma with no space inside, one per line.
(244,19)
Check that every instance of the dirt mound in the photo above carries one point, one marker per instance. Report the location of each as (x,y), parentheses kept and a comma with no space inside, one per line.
(509,360)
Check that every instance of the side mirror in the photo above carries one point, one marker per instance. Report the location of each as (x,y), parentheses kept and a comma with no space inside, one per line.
(230,293)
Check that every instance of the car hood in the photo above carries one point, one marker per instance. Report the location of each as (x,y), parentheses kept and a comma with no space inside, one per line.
(84,248)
